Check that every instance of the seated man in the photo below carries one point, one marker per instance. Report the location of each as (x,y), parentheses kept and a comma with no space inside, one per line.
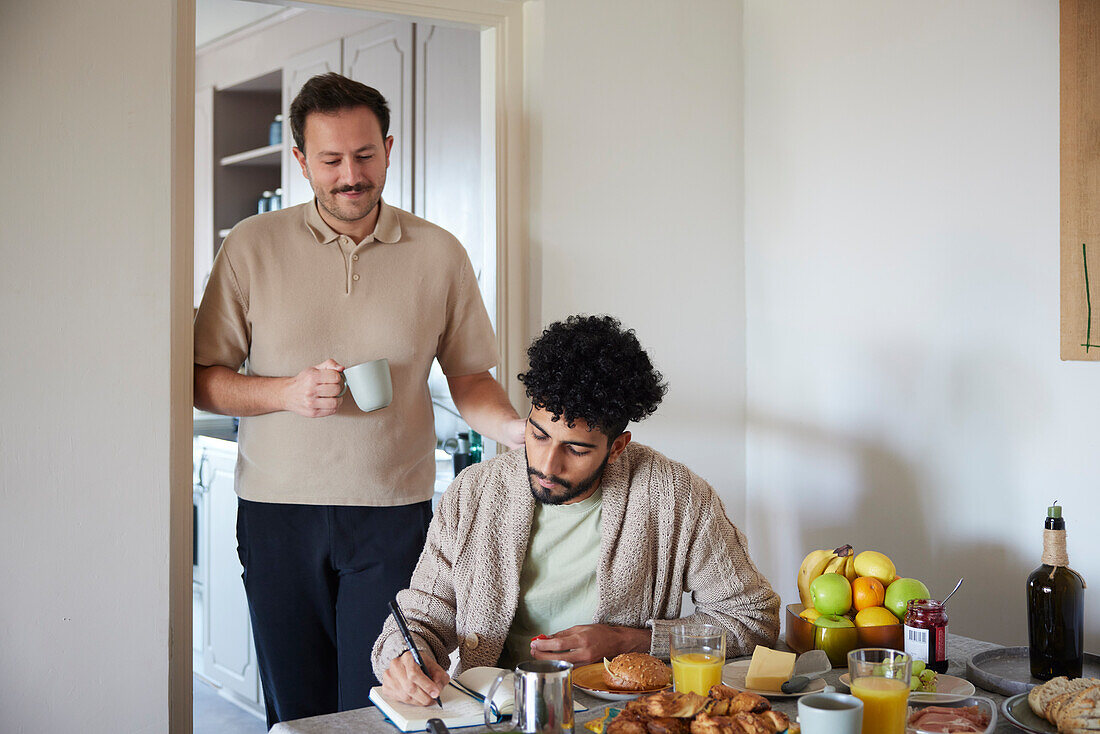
(583,537)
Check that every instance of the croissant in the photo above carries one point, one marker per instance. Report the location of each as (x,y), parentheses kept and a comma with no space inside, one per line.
(740,702)
(668,704)
(705,723)
(627,722)
(777,720)
(751,724)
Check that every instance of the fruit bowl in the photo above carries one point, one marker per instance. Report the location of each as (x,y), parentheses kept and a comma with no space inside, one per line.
(838,642)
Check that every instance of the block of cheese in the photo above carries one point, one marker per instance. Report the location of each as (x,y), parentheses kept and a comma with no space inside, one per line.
(769,669)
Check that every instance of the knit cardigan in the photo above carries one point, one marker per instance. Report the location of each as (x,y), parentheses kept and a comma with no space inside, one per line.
(663,531)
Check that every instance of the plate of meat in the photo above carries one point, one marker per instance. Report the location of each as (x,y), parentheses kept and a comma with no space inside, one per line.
(976,714)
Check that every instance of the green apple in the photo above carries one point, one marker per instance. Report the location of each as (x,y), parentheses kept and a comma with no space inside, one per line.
(831,593)
(900,592)
(837,636)
(833,621)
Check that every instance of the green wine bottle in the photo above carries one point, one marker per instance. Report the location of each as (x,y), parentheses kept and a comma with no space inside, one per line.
(1055,607)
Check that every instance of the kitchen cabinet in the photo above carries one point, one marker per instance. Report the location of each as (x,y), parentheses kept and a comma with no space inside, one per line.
(228,654)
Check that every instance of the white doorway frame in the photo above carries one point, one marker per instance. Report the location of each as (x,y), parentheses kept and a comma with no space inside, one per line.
(502,37)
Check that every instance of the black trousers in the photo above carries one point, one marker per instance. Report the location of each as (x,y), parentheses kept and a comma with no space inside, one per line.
(318,579)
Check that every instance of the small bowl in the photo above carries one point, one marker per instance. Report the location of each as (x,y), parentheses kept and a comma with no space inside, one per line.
(981,702)
(838,642)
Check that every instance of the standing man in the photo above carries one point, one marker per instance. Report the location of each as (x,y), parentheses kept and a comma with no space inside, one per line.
(334,503)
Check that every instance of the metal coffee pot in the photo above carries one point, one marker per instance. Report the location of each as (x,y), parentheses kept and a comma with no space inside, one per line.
(544,699)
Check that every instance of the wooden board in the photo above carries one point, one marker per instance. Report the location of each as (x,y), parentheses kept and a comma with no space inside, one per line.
(1080,179)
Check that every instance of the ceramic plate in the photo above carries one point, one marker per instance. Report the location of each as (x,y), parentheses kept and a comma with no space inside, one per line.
(1020,715)
(948,688)
(733,674)
(589,678)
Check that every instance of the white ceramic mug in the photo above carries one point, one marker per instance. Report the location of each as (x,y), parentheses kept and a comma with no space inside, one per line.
(830,713)
(370,384)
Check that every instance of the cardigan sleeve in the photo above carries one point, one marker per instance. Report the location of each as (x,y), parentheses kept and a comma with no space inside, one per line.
(429,602)
(725,585)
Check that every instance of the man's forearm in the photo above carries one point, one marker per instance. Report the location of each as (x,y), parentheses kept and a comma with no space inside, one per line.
(225,391)
(485,406)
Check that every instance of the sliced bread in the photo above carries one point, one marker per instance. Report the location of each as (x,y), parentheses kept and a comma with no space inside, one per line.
(1039,697)
(1055,706)
(1080,714)
(1042,696)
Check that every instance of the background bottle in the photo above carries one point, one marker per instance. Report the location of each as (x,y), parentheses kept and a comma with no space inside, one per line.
(275,131)
(475,447)
(1055,607)
(461,456)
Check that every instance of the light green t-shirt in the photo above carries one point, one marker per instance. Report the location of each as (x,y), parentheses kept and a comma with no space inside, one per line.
(557,585)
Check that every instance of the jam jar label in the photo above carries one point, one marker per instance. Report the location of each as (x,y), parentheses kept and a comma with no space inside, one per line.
(929,645)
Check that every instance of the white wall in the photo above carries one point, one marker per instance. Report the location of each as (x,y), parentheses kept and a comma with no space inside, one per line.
(636,203)
(85,317)
(217,18)
(902,231)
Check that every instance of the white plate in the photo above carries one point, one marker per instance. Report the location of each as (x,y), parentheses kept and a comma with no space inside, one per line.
(733,674)
(948,688)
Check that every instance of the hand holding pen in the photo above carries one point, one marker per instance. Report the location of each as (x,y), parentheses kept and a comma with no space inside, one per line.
(416,680)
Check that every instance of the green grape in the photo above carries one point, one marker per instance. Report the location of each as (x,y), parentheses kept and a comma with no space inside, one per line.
(914,683)
(918,667)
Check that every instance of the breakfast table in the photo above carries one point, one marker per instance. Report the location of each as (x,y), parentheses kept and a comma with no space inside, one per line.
(370,720)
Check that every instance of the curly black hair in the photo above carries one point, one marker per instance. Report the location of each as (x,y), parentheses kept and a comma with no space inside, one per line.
(589,367)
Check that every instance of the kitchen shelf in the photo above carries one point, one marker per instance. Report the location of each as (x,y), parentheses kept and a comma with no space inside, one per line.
(269,155)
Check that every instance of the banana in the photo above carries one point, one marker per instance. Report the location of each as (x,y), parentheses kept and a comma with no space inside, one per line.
(818,562)
(813,565)
(850,568)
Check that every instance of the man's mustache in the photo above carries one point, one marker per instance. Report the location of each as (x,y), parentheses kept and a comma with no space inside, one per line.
(555,480)
(358,188)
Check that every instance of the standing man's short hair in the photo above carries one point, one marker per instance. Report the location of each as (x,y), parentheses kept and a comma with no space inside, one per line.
(590,367)
(329,93)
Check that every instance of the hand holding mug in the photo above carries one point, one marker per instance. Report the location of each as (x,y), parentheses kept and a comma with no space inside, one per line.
(316,391)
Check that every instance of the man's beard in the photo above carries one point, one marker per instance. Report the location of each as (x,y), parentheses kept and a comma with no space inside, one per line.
(345,211)
(572,491)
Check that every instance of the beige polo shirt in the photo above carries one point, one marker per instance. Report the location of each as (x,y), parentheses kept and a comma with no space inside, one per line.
(287,292)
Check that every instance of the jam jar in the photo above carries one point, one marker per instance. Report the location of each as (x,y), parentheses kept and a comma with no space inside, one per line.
(926,633)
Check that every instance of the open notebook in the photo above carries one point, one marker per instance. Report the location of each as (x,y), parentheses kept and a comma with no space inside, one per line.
(459,709)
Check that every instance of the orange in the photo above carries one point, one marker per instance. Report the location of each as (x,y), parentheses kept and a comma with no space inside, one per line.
(875,617)
(867,591)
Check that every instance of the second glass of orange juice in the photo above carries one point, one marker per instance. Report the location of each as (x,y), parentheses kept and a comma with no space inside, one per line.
(880,678)
(698,652)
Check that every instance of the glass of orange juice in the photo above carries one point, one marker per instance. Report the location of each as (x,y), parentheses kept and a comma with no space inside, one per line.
(880,678)
(698,652)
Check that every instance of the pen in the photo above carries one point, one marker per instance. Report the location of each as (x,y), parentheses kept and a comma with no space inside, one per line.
(400,619)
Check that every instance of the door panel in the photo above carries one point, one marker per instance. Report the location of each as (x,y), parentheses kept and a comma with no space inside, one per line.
(296,73)
(382,57)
